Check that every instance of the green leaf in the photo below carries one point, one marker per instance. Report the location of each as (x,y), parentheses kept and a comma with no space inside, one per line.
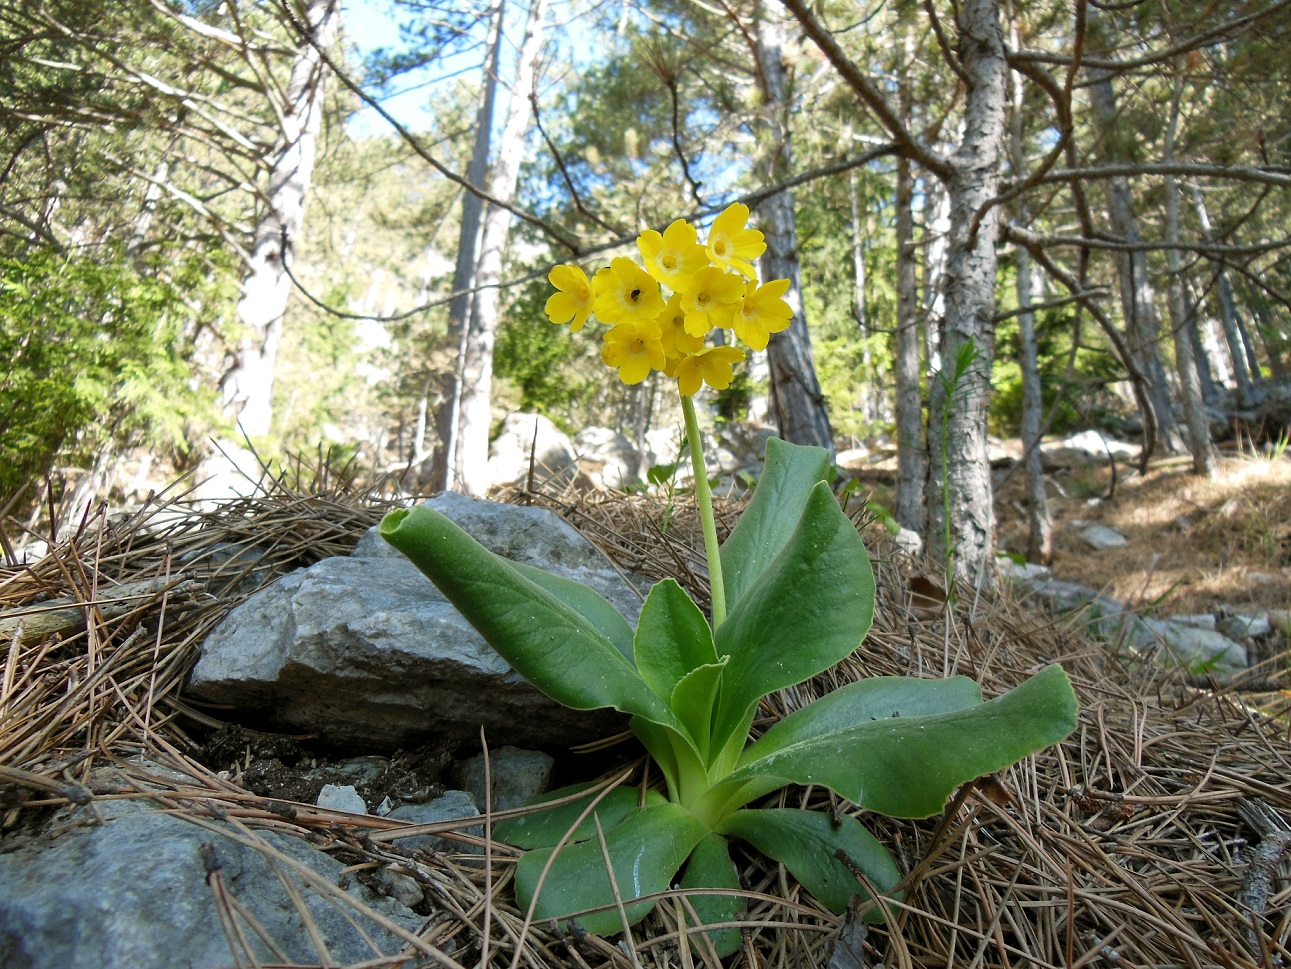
(677,755)
(587,602)
(672,638)
(790,472)
(809,609)
(710,866)
(695,699)
(545,828)
(646,849)
(908,766)
(807,842)
(545,640)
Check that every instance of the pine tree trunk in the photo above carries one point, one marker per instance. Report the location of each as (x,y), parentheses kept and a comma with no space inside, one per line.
(912,455)
(246,389)
(796,398)
(1039,518)
(446,468)
(475,414)
(1227,311)
(1138,300)
(1199,443)
(960,514)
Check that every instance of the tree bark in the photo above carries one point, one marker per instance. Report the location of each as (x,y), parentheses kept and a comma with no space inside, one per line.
(1138,300)
(796,398)
(912,452)
(446,467)
(1199,443)
(1227,310)
(475,415)
(960,514)
(246,389)
(1039,518)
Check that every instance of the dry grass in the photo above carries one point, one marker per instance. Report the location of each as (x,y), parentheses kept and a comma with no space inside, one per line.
(1123,846)
(1194,544)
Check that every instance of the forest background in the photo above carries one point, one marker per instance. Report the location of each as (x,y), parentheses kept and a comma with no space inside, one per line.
(1004,217)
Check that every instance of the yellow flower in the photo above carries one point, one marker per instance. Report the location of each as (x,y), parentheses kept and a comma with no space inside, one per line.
(762,312)
(673,257)
(573,302)
(732,245)
(711,300)
(711,366)
(624,291)
(633,347)
(672,324)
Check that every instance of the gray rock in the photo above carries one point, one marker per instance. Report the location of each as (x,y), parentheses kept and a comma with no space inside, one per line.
(1201,620)
(341,797)
(1237,625)
(1021,571)
(909,541)
(1101,537)
(1197,650)
(452,806)
(366,654)
(523,435)
(134,892)
(518,776)
(402,888)
(608,457)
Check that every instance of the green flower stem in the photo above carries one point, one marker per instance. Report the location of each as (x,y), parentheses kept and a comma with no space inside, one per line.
(705,499)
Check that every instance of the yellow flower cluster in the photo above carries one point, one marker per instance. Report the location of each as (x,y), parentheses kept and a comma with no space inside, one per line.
(710,285)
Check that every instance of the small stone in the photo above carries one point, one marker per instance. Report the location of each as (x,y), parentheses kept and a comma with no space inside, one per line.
(518,776)
(402,888)
(341,797)
(1101,537)
(452,806)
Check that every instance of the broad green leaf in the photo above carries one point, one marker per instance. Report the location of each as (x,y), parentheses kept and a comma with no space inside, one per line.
(545,640)
(807,842)
(695,699)
(672,638)
(875,698)
(646,849)
(908,766)
(587,602)
(710,866)
(810,608)
(789,474)
(545,828)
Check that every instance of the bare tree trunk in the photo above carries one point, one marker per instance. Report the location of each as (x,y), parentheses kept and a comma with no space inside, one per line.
(1227,310)
(1138,300)
(1199,443)
(936,237)
(1039,518)
(246,389)
(912,452)
(796,398)
(477,369)
(960,514)
(446,468)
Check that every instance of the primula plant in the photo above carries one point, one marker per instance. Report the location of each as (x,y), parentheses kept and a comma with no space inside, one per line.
(792,594)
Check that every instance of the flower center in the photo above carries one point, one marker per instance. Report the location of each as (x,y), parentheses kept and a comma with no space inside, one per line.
(669,263)
(719,247)
(634,295)
(701,299)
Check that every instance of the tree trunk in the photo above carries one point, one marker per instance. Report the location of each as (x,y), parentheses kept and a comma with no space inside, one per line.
(960,515)
(446,468)
(796,398)
(912,455)
(246,389)
(936,237)
(1138,300)
(1199,443)
(1227,310)
(475,414)
(1039,518)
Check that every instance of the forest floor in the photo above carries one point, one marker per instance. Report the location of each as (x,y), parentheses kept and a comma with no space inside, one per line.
(1193,545)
